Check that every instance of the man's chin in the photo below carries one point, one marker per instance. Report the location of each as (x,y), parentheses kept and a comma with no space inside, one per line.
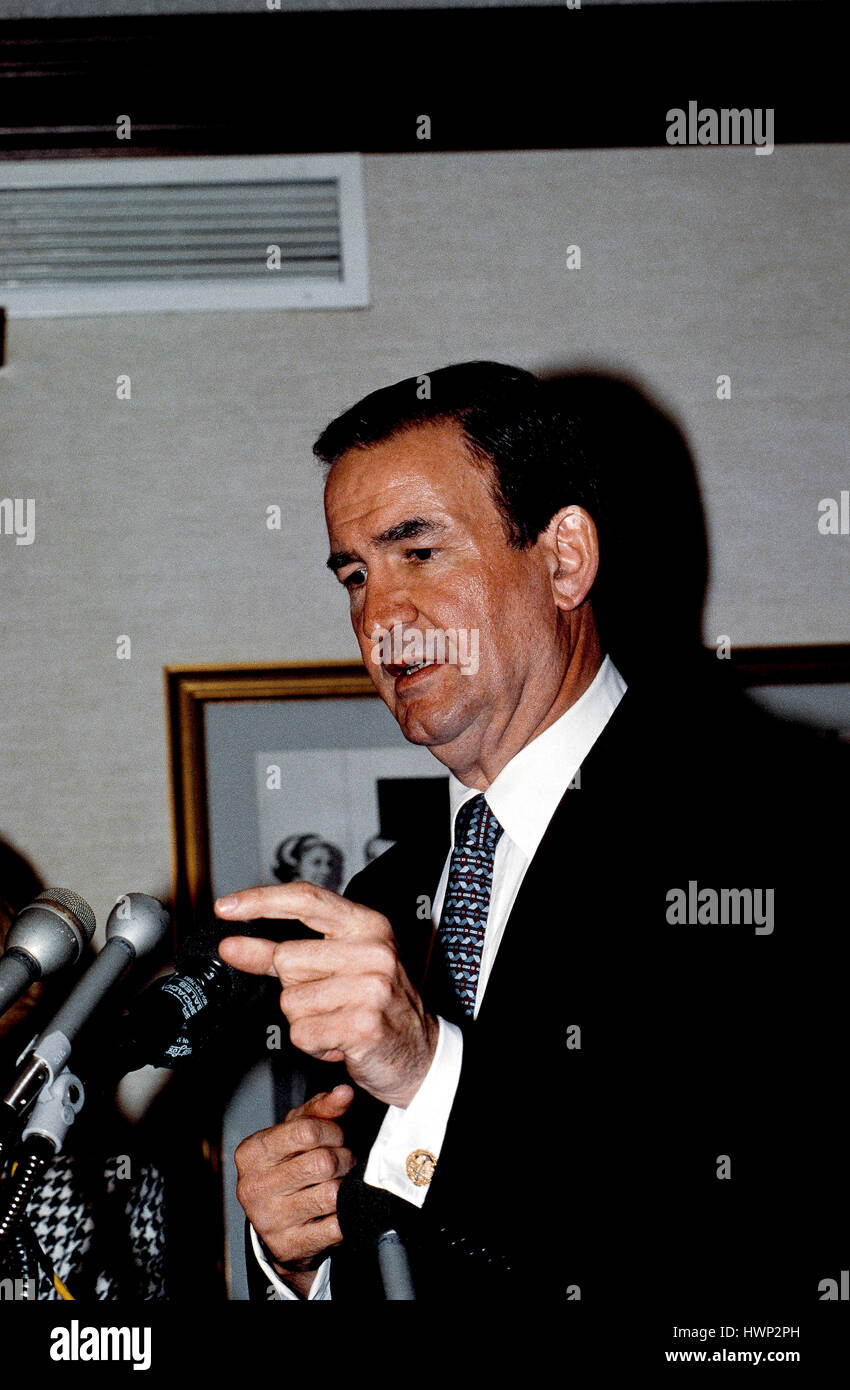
(424,718)
(431,730)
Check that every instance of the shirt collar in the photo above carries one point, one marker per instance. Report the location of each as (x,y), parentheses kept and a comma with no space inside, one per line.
(527,791)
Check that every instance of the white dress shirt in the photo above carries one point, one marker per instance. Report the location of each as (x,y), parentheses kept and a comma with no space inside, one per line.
(523,798)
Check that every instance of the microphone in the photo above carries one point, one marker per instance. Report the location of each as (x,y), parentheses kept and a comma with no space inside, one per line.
(176,1016)
(134,927)
(48,934)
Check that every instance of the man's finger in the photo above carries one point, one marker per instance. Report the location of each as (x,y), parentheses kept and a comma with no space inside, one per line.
(271,1149)
(296,962)
(327,1105)
(304,1241)
(335,1036)
(249,953)
(312,1169)
(316,997)
(318,908)
(306,1127)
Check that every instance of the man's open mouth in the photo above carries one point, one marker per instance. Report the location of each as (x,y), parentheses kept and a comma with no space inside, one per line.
(396,671)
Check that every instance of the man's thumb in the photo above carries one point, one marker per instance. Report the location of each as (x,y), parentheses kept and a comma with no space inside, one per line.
(329,1104)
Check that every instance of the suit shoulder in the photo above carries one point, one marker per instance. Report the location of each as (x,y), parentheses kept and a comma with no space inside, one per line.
(379,877)
(401,884)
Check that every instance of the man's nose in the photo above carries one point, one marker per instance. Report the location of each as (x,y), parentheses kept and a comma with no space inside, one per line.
(388,602)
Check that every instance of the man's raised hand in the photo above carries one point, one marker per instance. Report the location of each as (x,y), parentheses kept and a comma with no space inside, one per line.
(347,997)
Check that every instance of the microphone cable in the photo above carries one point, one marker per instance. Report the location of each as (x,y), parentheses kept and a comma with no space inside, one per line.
(26,1253)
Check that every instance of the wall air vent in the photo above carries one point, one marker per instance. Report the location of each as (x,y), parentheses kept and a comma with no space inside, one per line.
(123,236)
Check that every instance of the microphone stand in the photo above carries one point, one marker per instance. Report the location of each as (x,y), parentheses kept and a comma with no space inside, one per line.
(52,1115)
(394,1267)
(44,1060)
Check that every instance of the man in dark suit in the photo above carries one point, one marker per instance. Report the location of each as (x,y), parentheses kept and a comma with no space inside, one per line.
(591,1025)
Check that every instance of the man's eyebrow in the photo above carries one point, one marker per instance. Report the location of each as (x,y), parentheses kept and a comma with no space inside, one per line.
(413,528)
(340,558)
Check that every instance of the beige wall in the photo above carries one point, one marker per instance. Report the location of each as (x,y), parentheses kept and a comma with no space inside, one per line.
(150,513)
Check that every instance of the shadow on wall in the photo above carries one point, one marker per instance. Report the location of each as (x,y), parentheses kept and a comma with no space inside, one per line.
(19,883)
(649,595)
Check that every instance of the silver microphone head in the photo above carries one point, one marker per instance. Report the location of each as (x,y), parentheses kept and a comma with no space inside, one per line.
(141,921)
(53,929)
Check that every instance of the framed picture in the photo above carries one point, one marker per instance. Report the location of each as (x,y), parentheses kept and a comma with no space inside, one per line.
(300,771)
(280,772)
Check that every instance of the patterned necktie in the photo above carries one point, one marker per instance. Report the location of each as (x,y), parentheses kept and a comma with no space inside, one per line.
(464,917)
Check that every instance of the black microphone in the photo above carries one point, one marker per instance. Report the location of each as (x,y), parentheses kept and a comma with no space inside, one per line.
(176,1016)
(46,936)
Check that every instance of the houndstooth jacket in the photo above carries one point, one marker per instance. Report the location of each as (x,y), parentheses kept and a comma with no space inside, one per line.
(103,1231)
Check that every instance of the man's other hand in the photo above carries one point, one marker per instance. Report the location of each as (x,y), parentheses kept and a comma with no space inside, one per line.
(289,1177)
(347,997)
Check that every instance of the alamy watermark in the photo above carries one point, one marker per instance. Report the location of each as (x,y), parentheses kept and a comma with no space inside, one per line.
(19,1290)
(711,907)
(17,518)
(411,648)
(834,519)
(76,1343)
(728,126)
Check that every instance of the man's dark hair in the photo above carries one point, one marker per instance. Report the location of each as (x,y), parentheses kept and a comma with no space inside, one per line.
(581,438)
(514,424)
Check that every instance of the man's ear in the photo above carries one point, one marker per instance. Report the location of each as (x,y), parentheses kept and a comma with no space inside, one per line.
(573,546)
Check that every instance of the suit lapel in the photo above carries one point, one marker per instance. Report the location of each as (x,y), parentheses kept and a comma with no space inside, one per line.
(555,903)
(403,888)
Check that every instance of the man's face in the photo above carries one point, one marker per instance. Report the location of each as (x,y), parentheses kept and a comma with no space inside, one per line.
(418,542)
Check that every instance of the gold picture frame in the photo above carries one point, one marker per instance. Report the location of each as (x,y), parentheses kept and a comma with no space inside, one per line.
(188,691)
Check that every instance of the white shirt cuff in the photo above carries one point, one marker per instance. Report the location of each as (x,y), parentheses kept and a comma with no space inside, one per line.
(321,1290)
(421,1127)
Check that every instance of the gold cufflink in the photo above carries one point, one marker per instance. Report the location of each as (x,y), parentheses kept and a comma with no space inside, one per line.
(420,1167)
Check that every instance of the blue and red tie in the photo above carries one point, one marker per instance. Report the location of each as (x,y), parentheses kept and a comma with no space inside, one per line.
(464,917)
